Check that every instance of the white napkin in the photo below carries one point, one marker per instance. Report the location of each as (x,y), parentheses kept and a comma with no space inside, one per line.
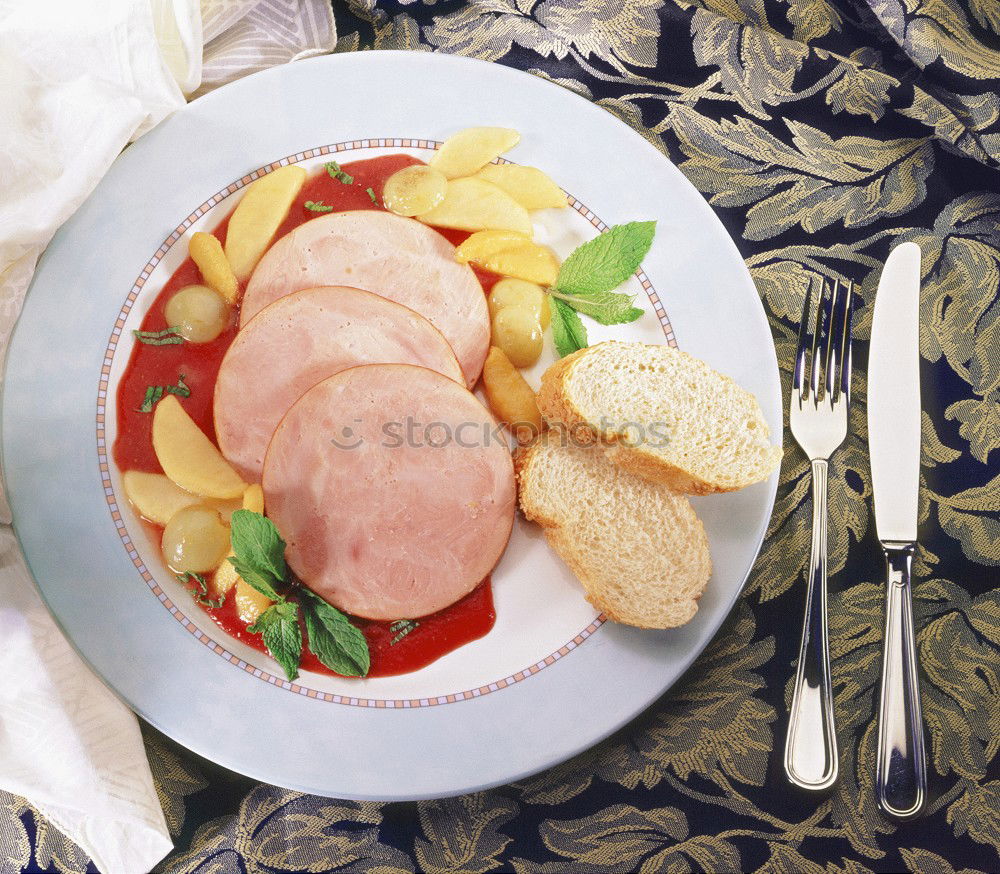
(79,79)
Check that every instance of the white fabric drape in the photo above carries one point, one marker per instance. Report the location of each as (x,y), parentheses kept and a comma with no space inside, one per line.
(79,80)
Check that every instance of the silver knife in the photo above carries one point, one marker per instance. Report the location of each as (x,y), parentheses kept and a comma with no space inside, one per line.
(894,444)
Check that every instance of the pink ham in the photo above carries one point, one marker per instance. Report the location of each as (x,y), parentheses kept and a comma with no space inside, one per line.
(301,339)
(381,524)
(395,257)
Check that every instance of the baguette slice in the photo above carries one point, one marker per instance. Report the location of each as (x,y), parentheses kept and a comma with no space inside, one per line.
(637,547)
(662,414)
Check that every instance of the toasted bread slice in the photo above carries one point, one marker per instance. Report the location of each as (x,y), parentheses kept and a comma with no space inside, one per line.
(637,547)
(662,414)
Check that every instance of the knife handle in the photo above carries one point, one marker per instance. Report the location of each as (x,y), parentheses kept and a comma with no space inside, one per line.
(811,744)
(901,776)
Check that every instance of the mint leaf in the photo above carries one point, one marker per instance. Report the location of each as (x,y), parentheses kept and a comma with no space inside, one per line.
(333,639)
(400,628)
(259,552)
(606,307)
(278,625)
(605,262)
(317,206)
(334,171)
(180,389)
(568,331)
(254,577)
(154,394)
(166,337)
(200,590)
(150,398)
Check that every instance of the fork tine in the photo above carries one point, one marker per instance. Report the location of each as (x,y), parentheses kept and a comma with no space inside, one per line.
(821,339)
(805,341)
(845,372)
(835,362)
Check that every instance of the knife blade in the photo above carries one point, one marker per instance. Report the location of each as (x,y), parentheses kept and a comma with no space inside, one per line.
(894,446)
(894,396)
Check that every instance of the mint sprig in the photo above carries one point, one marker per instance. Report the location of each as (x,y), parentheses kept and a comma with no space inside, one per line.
(259,558)
(400,628)
(166,337)
(200,589)
(605,262)
(335,642)
(278,625)
(154,394)
(587,277)
(568,332)
(333,169)
(605,307)
(258,552)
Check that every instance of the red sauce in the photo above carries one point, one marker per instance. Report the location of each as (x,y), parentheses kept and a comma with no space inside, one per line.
(436,635)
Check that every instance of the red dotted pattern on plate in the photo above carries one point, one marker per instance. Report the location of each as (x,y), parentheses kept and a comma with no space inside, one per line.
(116,515)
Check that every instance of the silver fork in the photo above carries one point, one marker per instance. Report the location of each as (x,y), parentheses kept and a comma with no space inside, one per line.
(821,394)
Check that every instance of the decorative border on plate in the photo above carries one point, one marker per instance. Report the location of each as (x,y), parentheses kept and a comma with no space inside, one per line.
(117,516)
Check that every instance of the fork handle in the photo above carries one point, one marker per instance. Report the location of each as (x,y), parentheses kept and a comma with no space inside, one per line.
(811,744)
(901,772)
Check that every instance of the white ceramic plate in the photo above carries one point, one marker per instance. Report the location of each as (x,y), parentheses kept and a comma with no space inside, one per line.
(551,678)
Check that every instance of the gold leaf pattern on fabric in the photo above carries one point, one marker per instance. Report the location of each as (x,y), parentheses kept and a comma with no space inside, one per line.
(962,695)
(277,830)
(624,839)
(812,19)
(861,90)
(628,112)
(972,517)
(854,180)
(977,813)
(926,862)
(959,312)
(959,125)
(933,29)
(574,85)
(626,30)
(782,284)
(933,451)
(788,860)
(489,30)
(755,66)
(463,834)
(980,418)
(401,32)
(752,12)
(54,850)
(15,847)
(714,726)
(987,13)
(173,777)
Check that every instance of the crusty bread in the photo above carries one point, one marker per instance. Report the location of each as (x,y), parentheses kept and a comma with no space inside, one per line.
(662,414)
(637,547)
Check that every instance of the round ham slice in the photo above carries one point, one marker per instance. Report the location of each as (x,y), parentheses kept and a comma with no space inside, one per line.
(393,489)
(395,257)
(301,339)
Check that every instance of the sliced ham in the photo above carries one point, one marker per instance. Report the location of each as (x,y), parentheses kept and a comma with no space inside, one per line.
(393,490)
(395,257)
(301,339)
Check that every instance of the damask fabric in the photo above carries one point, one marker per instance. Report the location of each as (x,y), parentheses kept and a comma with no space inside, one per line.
(821,132)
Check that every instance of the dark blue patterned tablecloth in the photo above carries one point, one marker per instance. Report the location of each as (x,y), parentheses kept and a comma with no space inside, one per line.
(821,132)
